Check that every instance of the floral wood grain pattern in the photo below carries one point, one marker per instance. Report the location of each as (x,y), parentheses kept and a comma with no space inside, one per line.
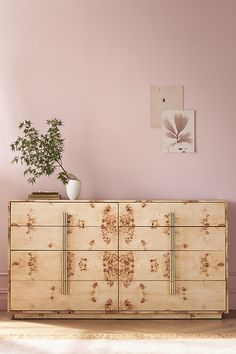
(204,264)
(127,305)
(154,265)
(126,268)
(143,286)
(93,292)
(72,220)
(127,224)
(32,264)
(82,264)
(143,293)
(70,264)
(109,225)
(31,220)
(110,267)
(109,306)
(166,265)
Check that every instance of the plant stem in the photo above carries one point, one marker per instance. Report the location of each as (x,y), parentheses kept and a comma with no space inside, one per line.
(60,164)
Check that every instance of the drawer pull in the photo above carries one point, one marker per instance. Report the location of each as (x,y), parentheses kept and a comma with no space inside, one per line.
(64,282)
(172,254)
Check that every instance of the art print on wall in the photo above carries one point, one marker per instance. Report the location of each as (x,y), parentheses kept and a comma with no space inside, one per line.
(178,131)
(165,98)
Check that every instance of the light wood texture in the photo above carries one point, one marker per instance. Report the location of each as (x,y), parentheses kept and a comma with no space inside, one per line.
(50,238)
(103,265)
(143,201)
(143,238)
(155,265)
(83,295)
(158,238)
(114,259)
(113,329)
(153,296)
(186,214)
(150,315)
(81,265)
(51,214)
(204,265)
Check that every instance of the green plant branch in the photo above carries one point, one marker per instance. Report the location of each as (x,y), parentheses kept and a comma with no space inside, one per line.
(41,153)
(60,165)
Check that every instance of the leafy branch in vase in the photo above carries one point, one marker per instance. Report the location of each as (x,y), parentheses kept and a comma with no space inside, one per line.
(41,153)
(176,132)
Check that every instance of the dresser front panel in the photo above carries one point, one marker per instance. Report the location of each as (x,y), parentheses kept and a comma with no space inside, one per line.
(32,214)
(155,296)
(81,265)
(51,238)
(185,214)
(155,265)
(47,296)
(115,258)
(158,238)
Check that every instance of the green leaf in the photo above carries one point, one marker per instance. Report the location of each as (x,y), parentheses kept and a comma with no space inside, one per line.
(40,153)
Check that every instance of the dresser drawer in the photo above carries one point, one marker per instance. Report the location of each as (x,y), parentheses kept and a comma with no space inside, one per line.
(155,265)
(51,238)
(121,259)
(31,214)
(46,296)
(158,238)
(81,265)
(185,214)
(190,296)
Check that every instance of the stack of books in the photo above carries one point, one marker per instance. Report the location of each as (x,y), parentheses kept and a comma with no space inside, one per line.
(44,196)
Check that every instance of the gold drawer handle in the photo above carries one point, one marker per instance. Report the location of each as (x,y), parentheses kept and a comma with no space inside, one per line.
(64,280)
(172,254)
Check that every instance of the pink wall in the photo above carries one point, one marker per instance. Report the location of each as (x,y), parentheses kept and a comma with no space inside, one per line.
(91,63)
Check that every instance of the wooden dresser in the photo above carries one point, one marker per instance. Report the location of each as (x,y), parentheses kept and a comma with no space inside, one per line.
(118,259)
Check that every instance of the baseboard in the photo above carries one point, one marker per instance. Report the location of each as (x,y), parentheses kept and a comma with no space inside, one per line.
(3,299)
(3,290)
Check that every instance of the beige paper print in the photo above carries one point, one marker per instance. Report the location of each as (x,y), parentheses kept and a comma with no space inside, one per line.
(165,98)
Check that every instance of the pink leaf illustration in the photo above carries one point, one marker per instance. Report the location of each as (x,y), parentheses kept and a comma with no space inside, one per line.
(167,124)
(180,122)
(170,135)
(185,138)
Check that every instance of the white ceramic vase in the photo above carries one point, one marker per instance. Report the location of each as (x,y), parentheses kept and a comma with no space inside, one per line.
(73,189)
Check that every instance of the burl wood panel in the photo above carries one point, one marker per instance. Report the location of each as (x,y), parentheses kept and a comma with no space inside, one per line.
(158,238)
(158,214)
(46,295)
(50,238)
(155,265)
(81,265)
(31,214)
(134,254)
(190,296)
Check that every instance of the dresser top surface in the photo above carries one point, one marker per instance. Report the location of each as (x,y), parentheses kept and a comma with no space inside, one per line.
(122,201)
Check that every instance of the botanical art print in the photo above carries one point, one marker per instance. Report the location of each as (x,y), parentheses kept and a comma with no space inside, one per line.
(178,131)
